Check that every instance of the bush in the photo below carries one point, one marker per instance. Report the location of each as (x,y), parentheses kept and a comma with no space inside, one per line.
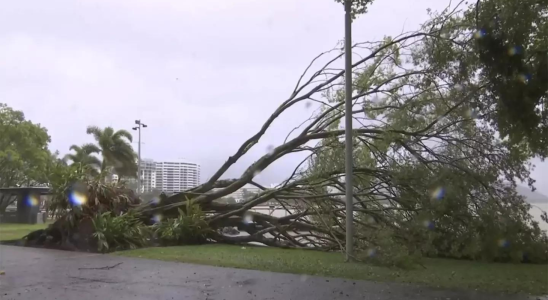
(119,232)
(190,227)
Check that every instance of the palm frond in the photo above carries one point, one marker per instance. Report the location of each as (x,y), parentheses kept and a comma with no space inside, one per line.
(122,133)
(95,131)
(90,148)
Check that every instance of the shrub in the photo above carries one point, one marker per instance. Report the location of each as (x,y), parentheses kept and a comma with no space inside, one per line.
(190,227)
(119,232)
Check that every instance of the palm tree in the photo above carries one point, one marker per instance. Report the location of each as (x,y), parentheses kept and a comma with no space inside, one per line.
(115,147)
(84,155)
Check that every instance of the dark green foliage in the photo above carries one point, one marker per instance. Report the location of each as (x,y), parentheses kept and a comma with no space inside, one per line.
(119,232)
(24,154)
(513,52)
(189,227)
(441,124)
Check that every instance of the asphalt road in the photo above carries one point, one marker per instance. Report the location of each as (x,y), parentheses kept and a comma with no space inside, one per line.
(51,274)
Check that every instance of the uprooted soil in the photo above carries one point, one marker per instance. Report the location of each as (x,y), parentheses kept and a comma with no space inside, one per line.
(56,236)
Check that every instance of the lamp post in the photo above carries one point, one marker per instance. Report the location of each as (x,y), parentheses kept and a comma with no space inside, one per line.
(348,128)
(138,128)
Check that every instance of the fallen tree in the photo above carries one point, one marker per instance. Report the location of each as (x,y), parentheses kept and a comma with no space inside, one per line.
(433,175)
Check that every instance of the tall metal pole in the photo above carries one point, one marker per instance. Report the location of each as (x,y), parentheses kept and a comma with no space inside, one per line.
(139,162)
(348,128)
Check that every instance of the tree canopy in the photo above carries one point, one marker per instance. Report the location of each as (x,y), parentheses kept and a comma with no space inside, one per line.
(84,155)
(116,150)
(24,153)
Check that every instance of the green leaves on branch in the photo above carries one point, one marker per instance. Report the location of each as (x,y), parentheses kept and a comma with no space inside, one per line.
(24,154)
(190,227)
(119,232)
(358,6)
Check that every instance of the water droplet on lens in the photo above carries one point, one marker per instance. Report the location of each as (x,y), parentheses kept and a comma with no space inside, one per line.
(248,218)
(371,252)
(472,113)
(308,104)
(32,200)
(524,78)
(480,34)
(438,193)
(270,149)
(503,243)
(157,218)
(428,224)
(77,198)
(514,50)
(304,278)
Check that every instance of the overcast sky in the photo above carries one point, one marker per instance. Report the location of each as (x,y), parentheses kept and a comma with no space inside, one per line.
(203,74)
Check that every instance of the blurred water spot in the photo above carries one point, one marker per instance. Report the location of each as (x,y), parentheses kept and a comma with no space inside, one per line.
(458,87)
(371,252)
(480,34)
(270,149)
(32,200)
(503,243)
(9,156)
(157,218)
(308,104)
(371,220)
(304,278)
(155,200)
(514,50)
(525,78)
(248,218)
(376,99)
(472,113)
(428,224)
(438,193)
(256,173)
(77,198)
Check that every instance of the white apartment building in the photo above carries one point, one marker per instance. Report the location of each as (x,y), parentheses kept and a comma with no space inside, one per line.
(148,175)
(177,176)
(169,177)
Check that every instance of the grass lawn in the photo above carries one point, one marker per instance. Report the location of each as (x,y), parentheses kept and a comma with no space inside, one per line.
(17,231)
(444,273)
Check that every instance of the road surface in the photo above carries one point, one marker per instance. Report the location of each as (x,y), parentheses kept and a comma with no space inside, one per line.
(51,274)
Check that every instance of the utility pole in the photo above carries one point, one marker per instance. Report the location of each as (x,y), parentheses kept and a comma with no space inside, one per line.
(348,129)
(138,127)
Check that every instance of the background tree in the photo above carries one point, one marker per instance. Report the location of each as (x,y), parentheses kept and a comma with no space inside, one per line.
(118,155)
(84,155)
(24,154)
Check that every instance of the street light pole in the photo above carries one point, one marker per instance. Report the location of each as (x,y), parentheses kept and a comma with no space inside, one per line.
(138,127)
(348,128)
